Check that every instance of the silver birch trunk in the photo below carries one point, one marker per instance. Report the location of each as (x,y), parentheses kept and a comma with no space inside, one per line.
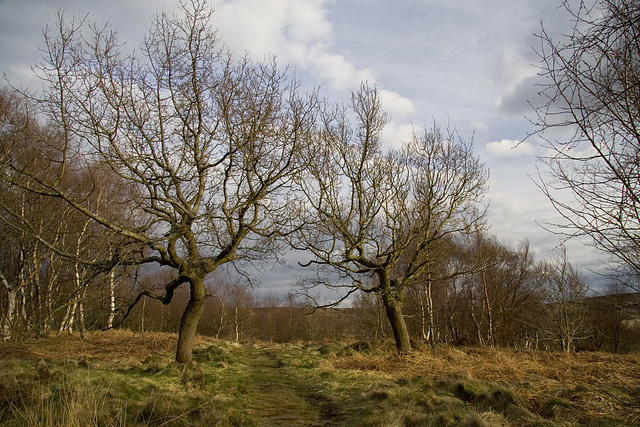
(236,323)
(112,299)
(491,332)
(10,307)
(430,333)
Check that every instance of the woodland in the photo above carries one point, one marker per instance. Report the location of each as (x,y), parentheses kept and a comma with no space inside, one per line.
(140,190)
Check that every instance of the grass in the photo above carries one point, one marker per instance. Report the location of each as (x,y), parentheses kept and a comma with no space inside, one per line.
(118,378)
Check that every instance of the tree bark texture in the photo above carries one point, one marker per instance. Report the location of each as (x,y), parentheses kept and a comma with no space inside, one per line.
(393,308)
(190,318)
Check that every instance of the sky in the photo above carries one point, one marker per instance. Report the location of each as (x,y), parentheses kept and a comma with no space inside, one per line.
(468,64)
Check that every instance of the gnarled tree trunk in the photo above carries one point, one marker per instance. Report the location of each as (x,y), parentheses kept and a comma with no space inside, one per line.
(393,308)
(392,301)
(190,318)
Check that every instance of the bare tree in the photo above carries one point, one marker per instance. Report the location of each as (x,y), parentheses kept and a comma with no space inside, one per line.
(564,298)
(592,92)
(383,215)
(42,284)
(506,290)
(240,301)
(208,144)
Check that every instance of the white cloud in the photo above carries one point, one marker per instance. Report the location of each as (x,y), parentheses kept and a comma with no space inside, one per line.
(396,133)
(510,148)
(336,70)
(396,105)
(251,25)
(308,20)
(299,33)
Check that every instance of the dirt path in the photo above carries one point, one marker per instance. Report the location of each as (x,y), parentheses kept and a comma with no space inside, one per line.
(276,396)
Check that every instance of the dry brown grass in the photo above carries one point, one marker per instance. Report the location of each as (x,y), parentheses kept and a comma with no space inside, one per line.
(504,365)
(591,381)
(543,385)
(113,345)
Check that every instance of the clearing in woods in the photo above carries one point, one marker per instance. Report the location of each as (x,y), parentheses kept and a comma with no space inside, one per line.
(119,378)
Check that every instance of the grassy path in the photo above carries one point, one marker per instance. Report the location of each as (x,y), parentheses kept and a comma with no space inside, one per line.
(123,379)
(277,396)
